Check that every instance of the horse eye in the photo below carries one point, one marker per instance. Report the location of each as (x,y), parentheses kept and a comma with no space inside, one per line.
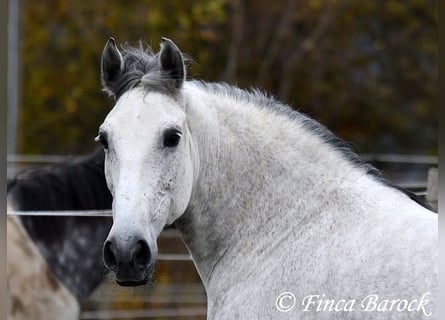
(171,138)
(102,139)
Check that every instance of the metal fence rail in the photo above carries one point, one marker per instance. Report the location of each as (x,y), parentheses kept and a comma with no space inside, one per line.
(65,213)
(144,314)
(37,158)
(400,158)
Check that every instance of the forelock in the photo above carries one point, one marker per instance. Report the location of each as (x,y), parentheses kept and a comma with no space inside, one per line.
(141,68)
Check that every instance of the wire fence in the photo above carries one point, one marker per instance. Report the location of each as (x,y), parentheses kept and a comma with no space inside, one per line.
(65,213)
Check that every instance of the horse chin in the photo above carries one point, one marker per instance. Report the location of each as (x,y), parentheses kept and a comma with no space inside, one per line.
(132,283)
(133,278)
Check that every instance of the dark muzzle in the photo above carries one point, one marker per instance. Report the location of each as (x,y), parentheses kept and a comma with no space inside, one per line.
(130,258)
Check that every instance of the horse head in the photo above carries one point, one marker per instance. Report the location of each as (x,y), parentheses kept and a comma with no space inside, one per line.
(148,158)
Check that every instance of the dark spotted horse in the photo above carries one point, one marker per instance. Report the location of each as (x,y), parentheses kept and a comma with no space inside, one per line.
(54,262)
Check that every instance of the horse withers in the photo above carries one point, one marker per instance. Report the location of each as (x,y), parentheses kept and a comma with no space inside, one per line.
(282,219)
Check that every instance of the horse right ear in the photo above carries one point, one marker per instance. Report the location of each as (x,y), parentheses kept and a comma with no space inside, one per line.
(172,62)
(111,65)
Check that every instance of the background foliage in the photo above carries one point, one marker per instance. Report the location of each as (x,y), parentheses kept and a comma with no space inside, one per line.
(366,69)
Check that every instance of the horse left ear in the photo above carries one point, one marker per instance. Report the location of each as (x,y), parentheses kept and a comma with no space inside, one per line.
(111,65)
(172,62)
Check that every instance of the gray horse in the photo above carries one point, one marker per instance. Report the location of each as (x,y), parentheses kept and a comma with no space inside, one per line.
(282,220)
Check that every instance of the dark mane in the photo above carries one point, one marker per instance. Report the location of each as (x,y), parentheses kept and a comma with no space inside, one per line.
(71,245)
(74,185)
(262,100)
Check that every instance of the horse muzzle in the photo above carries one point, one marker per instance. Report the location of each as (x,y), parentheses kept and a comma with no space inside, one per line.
(130,258)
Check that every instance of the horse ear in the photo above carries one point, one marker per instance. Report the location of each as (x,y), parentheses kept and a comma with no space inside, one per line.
(172,62)
(111,64)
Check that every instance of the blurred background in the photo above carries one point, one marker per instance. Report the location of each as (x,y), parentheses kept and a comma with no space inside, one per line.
(365,69)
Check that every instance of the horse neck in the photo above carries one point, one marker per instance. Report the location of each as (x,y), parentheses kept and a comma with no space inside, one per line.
(261,176)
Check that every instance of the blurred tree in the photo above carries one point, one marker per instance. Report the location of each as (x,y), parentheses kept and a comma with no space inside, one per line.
(367,70)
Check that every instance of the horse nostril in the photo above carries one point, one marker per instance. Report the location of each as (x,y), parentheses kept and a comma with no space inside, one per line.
(109,256)
(142,254)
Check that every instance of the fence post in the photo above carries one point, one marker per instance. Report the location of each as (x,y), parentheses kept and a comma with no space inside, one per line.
(432,190)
